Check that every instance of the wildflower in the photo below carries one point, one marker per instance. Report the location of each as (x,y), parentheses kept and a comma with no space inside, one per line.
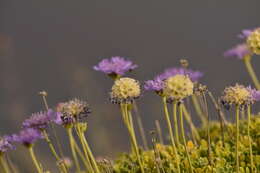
(5,144)
(27,136)
(239,51)
(71,111)
(236,95)
(157,84)
(125,90)
(245,33)
(116,66)
(178,87)
(39,120)
(255,94)
(253,41)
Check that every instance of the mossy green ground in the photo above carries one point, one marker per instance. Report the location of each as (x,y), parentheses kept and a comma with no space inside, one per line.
(161,159)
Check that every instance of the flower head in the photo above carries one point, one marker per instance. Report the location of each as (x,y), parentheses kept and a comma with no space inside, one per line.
(244,33)
(71,111)
(39,120)
(178,87)
(253,41)
(236,95)
(157,84)
(5,144)
(255,94)
(125,90)
(115,66)
(239,51)
(27,136)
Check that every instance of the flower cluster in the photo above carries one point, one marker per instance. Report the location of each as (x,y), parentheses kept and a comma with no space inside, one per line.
(125,90)
(253,41)
(115,66)
(72,111)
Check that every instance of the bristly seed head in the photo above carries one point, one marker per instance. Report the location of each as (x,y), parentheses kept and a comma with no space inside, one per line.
(178,87)
(125,90)
(253,41)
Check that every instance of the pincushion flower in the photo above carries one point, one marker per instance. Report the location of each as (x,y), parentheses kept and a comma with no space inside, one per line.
(115,66)
(72,111)
(5,144)
(178,87)
(125,90)
(255,94)
(27,136)
(39,120)
(253,41)
(239,51)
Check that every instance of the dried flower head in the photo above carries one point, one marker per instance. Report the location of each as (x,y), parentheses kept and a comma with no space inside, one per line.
(253,41)
(39,120)
(72,111)
(125,90)
(236,95)
(5,144)
(239,51)
(115,66)
(27,136)
(178,87)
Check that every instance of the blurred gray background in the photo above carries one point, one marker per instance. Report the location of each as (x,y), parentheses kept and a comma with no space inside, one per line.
(52,45)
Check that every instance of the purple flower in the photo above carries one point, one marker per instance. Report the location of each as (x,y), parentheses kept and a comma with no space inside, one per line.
(255,94)
(39,120)
(244,33)
(154,85)
(115,66)
(5,144)
(27,136)
(239,51)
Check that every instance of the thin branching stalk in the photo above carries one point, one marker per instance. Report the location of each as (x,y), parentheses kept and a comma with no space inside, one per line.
(192,126)
(35,161)
(175,121)
(250,70)
(249,137)
(3,164)
(86,159)
(237,139)
(198,109)
(61,165)
(72,146)
(159,131)
(183,137)
(168,121)
(141,127)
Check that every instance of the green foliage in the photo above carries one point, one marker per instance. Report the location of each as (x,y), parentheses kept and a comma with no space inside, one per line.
(162,159)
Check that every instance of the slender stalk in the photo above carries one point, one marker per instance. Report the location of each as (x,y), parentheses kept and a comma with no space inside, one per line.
(159,131)
(167,117)
(92,158)
(250,70)
(86,159)
(183,137)
(175,121)
(126,117)
(81,155)
(237,138)
(249,137)
(72,146)
(198,109)
(141,127)
(4,164)
(35,162)
(192,126)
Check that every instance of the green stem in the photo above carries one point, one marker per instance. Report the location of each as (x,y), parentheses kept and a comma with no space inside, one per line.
(81,155)
(198,110)
(250,70)
(249,137)
(4,164)
(127,117)
(72,146)
(183,138)
(237,138)
(175,121)
(167,117)
(35,162)
(92,158)
(86,159)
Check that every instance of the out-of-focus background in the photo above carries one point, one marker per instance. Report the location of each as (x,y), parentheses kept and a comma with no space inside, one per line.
(52,45)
